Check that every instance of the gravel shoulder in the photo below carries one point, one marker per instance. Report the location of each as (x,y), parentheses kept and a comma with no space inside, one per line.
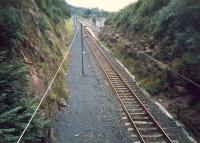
(93,114)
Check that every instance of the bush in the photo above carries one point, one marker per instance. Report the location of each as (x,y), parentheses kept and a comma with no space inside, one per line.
(188,62)
(150,7)
(179,15)
(44,23)
(57,7)
(11,26)
(16,107)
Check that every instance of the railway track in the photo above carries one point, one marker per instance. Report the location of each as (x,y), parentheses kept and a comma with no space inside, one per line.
(144,127)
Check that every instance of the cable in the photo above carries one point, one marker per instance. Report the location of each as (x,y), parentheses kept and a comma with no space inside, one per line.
(170,69)
(45,94)
(158,62)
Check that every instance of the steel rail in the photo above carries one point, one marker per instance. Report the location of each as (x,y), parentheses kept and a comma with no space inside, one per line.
(120,100)
(135,96)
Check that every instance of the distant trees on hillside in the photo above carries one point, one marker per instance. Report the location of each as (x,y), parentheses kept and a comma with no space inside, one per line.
(85,12)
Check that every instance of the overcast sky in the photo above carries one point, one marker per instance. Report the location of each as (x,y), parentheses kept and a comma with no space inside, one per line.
(109,5)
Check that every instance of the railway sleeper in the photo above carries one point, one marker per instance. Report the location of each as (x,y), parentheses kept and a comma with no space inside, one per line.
(108,68)
(101,58)
(119,82)
(154,135)
(126,94)
(133,104)
(148,129)
(120,86)
(153,138)
(136,110)
(149,132)
(143,101)
(143,123)
(129,99)
(158,142)
(126,97)
(110,71)
(112,74)
(130,85)
(139,118)
(138,113)
(123,91)
(116,84)
(115,79)
(134,136)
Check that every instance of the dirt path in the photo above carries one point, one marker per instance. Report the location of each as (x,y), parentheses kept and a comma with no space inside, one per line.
(92,115)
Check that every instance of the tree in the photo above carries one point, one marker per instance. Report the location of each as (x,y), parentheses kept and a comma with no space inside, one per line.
(16,107)
(88,12)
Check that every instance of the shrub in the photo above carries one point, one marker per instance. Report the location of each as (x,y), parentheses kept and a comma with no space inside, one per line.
(55,10)
(44,23)
(16,108)
(11,26)
(149,7)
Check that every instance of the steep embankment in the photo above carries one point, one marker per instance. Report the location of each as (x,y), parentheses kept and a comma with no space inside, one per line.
(169,31)
(33,39)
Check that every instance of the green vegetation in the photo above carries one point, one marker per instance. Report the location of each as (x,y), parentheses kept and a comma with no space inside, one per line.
(169,31)
(23,49)
(54,9)
(85,12)
(16,107)
(44,23)
(69,27)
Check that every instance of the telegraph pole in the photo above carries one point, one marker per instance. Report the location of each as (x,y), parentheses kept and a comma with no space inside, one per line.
(82,48)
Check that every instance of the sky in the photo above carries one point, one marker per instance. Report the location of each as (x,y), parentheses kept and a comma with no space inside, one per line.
(108,5)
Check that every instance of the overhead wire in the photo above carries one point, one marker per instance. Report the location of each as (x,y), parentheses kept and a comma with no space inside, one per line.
(158,62)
